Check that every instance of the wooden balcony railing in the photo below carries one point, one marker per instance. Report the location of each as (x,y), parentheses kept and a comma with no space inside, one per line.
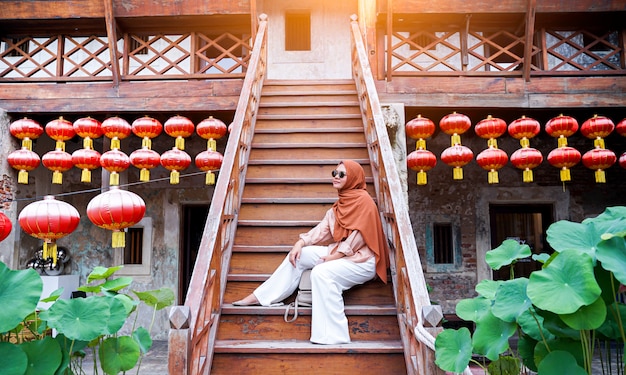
(193,326)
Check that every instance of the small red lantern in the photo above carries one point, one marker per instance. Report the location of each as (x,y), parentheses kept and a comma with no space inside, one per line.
(599,159)
(116,210)
(145,159)
(208,161)
(57,161)
(562,127)
(620,128)
(60,130)
(146,128)
(597,128)
(5,226)
(564,158)
(116,128)
(455,124)
(86,159)
(492,159)
(211,129)
(89,129)
(622,160)
(23,160)
(419,129)
(180,127)
(457,156)
(175,160)
(523,129)
(49,220)
(526,158)
(491,128)
(421,160)
(26,129)
(114,161)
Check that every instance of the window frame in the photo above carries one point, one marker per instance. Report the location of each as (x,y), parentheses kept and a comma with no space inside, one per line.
(145,268)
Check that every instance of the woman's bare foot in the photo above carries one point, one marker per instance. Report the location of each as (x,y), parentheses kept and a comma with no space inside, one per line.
(250,300)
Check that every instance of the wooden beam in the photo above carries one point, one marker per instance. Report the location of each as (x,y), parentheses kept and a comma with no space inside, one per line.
(530,36)
(389,52)
(111,25)
(503,6)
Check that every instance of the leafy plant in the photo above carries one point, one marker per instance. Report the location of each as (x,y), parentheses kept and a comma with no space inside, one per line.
(92,323)
(562,313)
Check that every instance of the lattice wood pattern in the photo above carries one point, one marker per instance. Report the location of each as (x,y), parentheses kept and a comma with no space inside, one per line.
(582,50)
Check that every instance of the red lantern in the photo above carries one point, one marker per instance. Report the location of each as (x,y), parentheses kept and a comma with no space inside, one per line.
(49,220)
(180,127)
(622,160)
(116,128)
(26,130)
(175,160)
(457,156)
(491,128)
(146,128)
(420,128)
(564,158)
(89,129)
(24,161)
(455,124)
(114,161)
(597,128)
(562,127)
(208,161)
(422,161)
(523,129)
(211,129)
(57,161)
(492,159)
(145,159)
(5,226)
(599,159)
(527,158)
(620,128)
(86,159)
(115,210)
(60,130)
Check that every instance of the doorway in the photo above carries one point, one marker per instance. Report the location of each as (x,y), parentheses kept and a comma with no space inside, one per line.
(192,229)
(526,223)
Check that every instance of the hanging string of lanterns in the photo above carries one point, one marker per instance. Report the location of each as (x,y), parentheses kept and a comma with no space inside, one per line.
(210,129)
(598,158)
(5,226)
(620,128)
(491,159)
(421,160)
(525,158)
(24,160)
(563,157)
(58,161)
(456,155)
(115,160)
(145,158)
(176,159)
(87,159)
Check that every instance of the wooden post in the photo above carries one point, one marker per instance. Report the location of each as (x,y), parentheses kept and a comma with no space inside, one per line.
(178,341)
(530,36)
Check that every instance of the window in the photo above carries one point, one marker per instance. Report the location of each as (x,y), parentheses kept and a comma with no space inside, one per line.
(442,243)
(17,47)
(137,44)
(298,31)
(136,255)
(443,249)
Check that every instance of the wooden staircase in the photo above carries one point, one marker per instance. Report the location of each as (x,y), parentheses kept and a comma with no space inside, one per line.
(303,129)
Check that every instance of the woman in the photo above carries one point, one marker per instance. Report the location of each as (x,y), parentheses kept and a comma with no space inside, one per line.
(357,254)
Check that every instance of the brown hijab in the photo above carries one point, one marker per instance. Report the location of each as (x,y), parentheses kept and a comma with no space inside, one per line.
(355,210)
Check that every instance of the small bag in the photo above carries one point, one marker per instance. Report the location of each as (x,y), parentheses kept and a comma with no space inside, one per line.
(303,298)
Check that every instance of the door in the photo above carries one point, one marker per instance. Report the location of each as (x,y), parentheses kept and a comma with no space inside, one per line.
(309,39)
(526,223)
(194,218)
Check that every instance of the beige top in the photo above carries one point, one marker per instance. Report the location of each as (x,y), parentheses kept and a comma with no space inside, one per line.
(353,246)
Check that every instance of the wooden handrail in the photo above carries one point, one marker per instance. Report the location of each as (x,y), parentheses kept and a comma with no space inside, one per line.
(408,279)
(192,326)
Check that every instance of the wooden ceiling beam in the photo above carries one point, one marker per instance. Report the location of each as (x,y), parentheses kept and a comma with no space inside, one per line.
(111,26)
(530,36)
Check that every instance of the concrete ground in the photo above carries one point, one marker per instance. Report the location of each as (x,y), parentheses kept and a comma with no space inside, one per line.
(153,363)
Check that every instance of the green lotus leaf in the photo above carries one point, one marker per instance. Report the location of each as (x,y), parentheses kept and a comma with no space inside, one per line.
(607,283)
(53,296)
(505,254)
(13,360)
(612,254)
(560,362)
(453,349)
(511,299)
(541,258)
(491,337)
(117,284)
(609,214)
(505,365)
(553,323)
(86,318)
(101,273)
(129,303)
(566,235)
(610,329)
(565,285)
(532,324)
(66,345)
(570,346)
(587,317)
(20,291)
(473,309)
(142,336)
(118,354)
(44,356)
(90,288)
(487,288)
(158,298)
(526,349)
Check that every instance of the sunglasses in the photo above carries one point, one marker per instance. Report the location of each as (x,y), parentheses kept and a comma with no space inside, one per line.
(341,174)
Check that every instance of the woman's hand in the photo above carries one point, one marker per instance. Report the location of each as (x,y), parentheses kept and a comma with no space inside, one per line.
(294,254)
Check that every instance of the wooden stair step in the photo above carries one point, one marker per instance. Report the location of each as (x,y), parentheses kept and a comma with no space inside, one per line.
(308,124)
(270,235)
(304,172)
(307,155)
(283,212)
(280,310)
(289,346)
(309,100)
(260,249)
(288,139)
(312,116)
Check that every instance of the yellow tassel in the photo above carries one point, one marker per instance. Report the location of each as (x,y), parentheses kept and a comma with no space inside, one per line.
(54,254)
(144,175)
(420,144)
(565,175)
(174,177)
(524,142)
(528,175)
(493,177)
(146,142)
(562,141)
(114,179)
(600,176)
(598,142)
(455,140)
(85,176)
(115,143)
(492,142)
(60,145)
(457,173)
(44,254)
(118,239)
(211,144)
(88,143)
(210,178)
(180,143)
(22,177)
(57,177)
(422,178)
(28,143)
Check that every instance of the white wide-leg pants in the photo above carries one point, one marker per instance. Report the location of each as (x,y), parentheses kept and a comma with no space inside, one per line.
(329,324)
